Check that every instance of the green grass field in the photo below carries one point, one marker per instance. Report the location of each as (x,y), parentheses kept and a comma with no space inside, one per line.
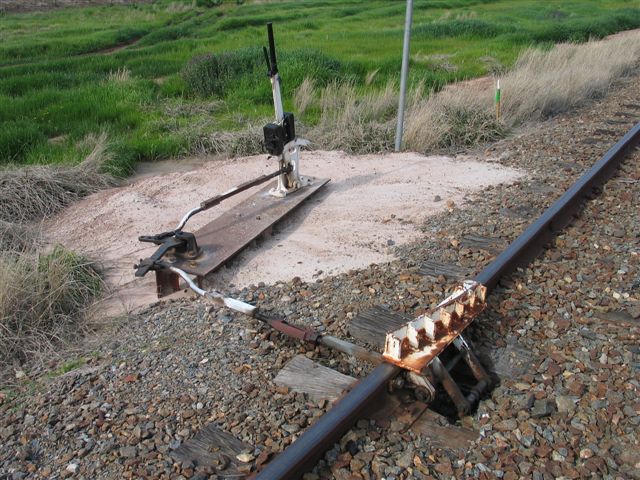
(67,73)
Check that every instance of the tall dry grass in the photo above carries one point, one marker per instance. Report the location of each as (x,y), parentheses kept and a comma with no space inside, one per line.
(546,83)
(27,193)
(43,294)
(16,237)
(449,119)
(42,297)
(304,95)
(540,84)
(350,120)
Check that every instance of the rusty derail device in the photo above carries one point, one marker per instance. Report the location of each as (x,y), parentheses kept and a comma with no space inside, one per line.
(421,346)
(178,248)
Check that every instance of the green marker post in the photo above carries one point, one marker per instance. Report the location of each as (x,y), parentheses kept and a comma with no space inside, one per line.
(498,100)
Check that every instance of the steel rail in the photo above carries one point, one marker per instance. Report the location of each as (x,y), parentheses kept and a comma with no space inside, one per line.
(557,216)
(305,452)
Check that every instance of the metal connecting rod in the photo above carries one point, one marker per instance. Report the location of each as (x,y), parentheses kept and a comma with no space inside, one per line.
(351,349)
(217,199)
(293,331)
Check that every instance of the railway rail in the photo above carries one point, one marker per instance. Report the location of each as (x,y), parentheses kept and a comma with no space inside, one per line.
(309,448)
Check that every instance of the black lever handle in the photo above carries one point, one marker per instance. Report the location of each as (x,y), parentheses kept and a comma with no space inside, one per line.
(266,59)
(272,50)
(150,263)
(157,239)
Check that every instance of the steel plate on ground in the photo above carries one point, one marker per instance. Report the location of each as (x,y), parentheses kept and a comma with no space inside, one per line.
(232,231)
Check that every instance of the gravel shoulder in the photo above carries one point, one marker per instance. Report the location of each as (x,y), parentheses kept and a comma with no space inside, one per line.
(573,413)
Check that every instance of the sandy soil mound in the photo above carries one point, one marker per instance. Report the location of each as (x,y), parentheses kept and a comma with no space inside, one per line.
(372,203)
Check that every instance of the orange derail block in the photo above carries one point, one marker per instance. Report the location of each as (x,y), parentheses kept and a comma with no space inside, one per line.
(414,345)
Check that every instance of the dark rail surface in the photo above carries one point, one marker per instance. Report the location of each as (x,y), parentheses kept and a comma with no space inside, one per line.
(305,452)
(527,246)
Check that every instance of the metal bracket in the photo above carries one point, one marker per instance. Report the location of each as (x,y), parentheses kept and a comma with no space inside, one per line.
(290,160)
(167,282)
(441,373)
(451,387)
(179,244)
(424,389)
(176,243)
(478,371)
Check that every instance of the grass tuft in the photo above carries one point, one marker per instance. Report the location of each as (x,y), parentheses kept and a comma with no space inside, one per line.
(122,74)
(449,119)
(355,122)
(67,367)
(214,74)
(40,300)
(32,192)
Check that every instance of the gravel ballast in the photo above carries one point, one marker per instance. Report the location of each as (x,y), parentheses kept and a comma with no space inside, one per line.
(572,413)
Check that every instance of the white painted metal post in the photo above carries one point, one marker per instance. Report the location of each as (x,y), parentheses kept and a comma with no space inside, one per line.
(403,75)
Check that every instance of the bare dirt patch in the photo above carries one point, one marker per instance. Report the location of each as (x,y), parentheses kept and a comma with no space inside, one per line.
(372,203)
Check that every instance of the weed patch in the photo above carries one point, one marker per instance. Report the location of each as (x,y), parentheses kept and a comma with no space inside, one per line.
(37,191)
(40,299)
(68,367)
(214,74)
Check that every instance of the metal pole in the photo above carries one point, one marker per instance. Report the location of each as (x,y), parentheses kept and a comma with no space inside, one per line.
(403,74)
